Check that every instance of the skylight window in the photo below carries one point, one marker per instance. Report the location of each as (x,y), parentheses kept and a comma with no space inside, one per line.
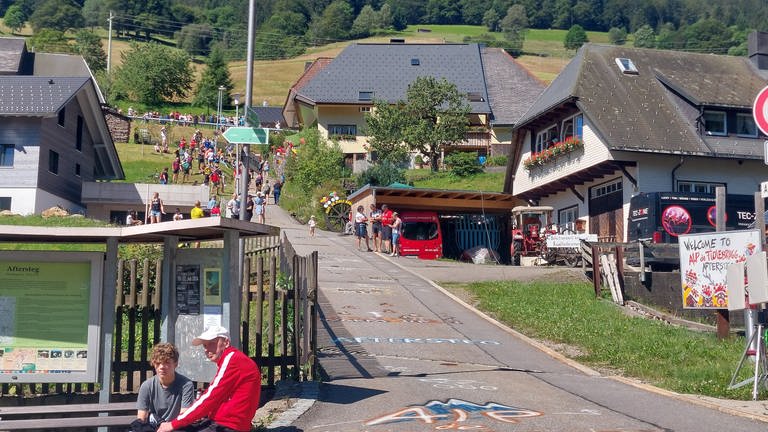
(475,97)
(626,66)
(415,62)
(365,95)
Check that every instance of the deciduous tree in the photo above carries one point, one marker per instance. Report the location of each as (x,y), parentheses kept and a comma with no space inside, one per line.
(575,38)
(14,18)
(433,116)
(59,15)
(514,26)
(88,45)
(152,73)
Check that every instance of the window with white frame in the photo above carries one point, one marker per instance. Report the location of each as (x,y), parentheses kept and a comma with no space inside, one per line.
(566,218)
(745,125)
(715,123)
(544,139)
(606,188)
(344,130)
(698,186)
(572,127)
(365,109)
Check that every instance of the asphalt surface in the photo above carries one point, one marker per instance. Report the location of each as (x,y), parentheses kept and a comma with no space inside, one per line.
(402,354)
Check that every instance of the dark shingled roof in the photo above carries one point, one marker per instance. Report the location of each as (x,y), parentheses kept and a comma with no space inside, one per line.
(32,95)
(269,115)
(387,70)
(654,110)
(511,89)
(11,50)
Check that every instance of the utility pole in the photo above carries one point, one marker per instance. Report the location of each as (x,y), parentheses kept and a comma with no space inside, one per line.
(249,61)
(109,42)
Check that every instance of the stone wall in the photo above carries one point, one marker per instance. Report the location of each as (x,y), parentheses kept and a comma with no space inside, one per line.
(119,125)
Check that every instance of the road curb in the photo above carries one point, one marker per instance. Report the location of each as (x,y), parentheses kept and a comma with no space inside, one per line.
(304,401)
(693,399)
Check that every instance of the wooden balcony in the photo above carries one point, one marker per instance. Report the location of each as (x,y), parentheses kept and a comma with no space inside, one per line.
(475,140)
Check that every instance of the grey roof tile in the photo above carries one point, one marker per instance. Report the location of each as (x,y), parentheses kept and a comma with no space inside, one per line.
(387,70)
(32,95)
(511,88)
(651,111)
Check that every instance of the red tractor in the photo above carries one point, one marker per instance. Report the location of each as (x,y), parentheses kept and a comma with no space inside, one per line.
(530,228)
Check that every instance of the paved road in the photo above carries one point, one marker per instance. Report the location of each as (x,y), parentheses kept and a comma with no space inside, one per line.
(403,355)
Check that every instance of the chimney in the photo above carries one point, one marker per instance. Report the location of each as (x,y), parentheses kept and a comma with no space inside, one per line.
(757,49)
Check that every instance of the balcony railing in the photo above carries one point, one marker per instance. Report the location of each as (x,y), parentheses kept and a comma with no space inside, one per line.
(476,140)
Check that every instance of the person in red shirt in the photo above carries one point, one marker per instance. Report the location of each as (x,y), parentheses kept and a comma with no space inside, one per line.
(232,399)
(386,230)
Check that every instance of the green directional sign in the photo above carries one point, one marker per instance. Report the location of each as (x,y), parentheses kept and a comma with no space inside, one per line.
(247,135)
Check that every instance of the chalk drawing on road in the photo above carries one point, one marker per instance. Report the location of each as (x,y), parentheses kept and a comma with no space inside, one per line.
(399,369)
(380,318)
(372,291)
(329,351)
(455,414)
(369,339)
(450,319)
(585,411)
(447,383)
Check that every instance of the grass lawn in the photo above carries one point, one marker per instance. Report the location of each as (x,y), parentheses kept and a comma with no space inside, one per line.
(487,181)
(605,338)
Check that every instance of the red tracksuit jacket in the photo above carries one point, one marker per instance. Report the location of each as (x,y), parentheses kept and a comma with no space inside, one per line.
(233,396)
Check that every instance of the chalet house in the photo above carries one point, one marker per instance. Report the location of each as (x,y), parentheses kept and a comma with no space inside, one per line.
(618,121)
(53,135)
(336,94)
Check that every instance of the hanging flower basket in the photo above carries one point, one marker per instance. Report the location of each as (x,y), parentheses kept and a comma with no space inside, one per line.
(550,154)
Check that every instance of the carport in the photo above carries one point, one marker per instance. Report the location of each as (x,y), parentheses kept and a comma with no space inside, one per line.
(463,214)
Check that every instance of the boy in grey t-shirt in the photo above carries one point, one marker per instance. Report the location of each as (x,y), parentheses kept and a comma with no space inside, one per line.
(165,395)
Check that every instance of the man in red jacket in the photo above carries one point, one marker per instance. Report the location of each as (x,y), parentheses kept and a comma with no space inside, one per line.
(231,400)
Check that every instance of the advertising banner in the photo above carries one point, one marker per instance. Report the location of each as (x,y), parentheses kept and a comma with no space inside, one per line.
(704,261)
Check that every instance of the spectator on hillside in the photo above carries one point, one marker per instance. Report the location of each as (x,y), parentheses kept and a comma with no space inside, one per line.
(197,211)
(178,216)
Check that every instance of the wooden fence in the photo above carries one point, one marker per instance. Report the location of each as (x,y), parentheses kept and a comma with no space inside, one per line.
(279,339)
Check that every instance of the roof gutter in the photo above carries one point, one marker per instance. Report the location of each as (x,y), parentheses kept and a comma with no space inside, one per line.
(674,177)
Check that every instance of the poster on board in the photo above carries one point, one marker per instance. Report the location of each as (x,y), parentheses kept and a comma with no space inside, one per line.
(49,316)
(704,261)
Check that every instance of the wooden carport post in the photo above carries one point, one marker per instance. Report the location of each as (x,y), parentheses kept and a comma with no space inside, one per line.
(723,317)
(167,295)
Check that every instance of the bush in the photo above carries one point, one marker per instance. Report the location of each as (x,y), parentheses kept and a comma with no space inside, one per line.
(463,164)
(500,160)
(382,174)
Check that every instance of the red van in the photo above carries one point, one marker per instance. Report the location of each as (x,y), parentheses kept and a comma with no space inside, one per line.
(421,235)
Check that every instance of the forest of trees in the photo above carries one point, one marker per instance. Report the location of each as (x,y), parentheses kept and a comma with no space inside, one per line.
(286,27)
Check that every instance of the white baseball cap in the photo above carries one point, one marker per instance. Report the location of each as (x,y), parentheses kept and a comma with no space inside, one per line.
(210,334)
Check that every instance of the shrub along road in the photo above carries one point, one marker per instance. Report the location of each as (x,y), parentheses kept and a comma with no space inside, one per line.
(400,354)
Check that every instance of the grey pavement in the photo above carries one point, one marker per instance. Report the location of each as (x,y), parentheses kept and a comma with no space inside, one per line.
(401,353)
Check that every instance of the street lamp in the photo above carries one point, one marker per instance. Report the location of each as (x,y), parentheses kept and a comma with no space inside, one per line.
(236,98)
(220,107)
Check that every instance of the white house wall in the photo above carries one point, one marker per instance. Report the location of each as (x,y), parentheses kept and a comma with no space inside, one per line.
(655,172)
(343,115)
(593,152)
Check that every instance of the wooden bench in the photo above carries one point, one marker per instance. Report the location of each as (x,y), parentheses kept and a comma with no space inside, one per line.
(77,416)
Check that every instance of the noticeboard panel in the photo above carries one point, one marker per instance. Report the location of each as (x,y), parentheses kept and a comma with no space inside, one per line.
(50,316)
